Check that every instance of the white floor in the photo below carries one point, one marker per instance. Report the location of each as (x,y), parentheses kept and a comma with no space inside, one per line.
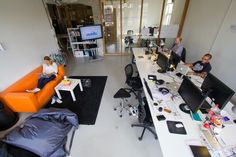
(111,136)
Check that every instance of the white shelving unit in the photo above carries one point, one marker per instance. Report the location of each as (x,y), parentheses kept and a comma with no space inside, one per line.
(78,47)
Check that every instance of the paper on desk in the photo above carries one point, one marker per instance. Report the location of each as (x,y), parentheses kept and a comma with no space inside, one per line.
(158,95)
(228,135)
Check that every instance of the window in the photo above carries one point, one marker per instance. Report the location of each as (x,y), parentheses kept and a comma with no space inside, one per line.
(168,12)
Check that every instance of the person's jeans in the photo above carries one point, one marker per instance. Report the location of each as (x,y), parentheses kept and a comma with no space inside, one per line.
(43,81)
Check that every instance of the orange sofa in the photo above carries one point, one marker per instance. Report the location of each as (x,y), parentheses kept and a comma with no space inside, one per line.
(18,100)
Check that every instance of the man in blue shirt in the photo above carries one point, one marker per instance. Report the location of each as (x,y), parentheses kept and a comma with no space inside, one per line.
(178,46)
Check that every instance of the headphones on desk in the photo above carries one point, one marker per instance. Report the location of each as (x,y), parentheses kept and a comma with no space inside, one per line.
(163,90)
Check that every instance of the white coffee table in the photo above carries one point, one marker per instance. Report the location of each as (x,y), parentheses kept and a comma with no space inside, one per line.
(70,88)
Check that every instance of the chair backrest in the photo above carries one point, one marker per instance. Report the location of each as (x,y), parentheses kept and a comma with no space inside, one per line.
(148,117)
(128,72)
(144,114)
(183,55)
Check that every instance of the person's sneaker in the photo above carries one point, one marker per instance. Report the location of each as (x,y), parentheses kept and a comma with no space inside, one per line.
(59,101)
(36,90)
(53,101)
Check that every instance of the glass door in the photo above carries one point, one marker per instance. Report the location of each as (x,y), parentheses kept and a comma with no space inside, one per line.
(131,17)
(111,24)
(130,23)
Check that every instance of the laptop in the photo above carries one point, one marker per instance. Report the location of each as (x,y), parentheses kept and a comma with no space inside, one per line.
(182,69)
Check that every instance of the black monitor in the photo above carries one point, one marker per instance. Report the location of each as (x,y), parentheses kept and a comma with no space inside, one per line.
(174,59)
(192,96)
(217,91)
(91,32)
(163,62)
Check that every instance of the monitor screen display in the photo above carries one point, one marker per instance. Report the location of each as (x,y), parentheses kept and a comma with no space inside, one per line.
(174,59)
(91,32)
(191,94)
(217,90)
(162,61)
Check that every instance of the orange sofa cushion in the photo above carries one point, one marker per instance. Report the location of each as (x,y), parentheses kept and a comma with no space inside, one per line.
(18,100)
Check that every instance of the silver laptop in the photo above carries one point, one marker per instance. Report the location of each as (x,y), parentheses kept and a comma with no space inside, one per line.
(183,69)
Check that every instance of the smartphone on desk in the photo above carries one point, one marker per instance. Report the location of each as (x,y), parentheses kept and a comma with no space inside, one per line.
(161,117)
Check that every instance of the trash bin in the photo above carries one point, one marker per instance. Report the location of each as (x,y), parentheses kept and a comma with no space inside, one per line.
(7,117)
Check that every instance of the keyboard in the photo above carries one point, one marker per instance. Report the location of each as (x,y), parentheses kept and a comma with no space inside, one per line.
(210,139)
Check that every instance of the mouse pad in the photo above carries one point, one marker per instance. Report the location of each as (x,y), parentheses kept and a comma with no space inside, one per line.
(173,129)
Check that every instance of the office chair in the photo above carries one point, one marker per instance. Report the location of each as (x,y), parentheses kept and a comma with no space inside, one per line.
(132,81)
(183,55)
(123,95)
(144,117)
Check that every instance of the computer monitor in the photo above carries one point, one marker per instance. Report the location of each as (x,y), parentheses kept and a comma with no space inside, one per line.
(216,90)
(192,96)
(163,62)
(91,32)
(174,59)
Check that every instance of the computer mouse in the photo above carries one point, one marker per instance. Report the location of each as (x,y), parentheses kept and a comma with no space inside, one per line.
(155,104)
(160,82)
(164,90)
(179,125)
(160,109)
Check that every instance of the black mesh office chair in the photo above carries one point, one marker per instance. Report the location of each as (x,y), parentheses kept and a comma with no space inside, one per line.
(183,55)
(132,81)
(144,117)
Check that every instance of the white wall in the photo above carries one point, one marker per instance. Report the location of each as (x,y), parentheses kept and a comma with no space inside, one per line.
(205,18)
(26,34)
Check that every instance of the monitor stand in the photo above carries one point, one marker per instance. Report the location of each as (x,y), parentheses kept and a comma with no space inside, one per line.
(184,107)
(161,71)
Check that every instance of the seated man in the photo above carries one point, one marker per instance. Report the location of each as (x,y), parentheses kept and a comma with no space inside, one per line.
(201,68)
(178,46)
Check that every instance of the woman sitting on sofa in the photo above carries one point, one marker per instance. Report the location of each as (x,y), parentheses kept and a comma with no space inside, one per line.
(50,70)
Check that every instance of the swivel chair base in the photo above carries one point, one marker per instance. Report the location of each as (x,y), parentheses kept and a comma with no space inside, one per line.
(122,94)
(145,126)
(121,107)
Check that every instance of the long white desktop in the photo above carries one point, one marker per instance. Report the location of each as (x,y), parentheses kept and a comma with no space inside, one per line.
(172,145)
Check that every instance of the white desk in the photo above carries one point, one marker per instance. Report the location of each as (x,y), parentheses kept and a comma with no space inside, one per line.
(171,144)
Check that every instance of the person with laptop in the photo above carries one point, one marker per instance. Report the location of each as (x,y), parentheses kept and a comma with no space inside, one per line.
(178,46)
(201,68)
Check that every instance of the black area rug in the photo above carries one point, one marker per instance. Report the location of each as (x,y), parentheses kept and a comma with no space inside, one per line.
(87,102)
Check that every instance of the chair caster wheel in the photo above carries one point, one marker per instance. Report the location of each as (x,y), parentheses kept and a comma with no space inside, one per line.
(120,116)
(139,139)
(130,114)
(156,138)
(115,109)
(132,126)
